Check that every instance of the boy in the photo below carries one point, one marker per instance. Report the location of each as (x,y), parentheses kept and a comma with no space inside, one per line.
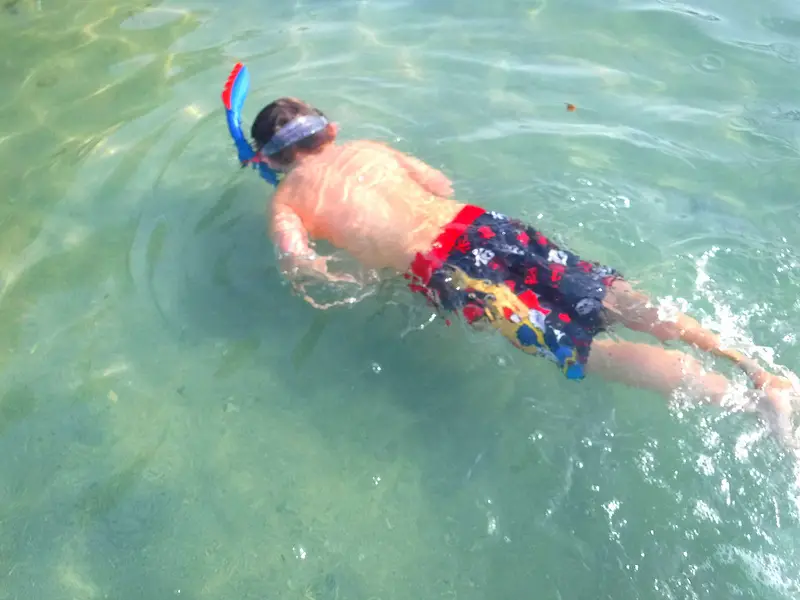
(391,211)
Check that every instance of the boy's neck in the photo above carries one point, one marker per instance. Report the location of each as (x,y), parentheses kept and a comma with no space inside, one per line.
(302,157)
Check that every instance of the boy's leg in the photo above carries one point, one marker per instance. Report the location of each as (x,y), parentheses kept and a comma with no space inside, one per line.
(636,311)
(664,371)
(655,368)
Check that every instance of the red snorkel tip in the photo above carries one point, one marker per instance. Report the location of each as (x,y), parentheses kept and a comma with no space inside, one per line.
(228,89)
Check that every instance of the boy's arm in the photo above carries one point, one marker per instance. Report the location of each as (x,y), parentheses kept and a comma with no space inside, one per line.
(426,176)
(296,257)
(291,241)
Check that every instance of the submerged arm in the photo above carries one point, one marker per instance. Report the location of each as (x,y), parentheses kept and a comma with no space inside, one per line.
(291,241)
(297,258)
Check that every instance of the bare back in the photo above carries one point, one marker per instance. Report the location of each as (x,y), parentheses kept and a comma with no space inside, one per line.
(367,199)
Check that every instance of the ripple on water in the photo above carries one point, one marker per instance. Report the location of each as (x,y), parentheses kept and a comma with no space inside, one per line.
(199,260)
(153,18)
(689,10)
(785,26)
(709,63)
(785,51)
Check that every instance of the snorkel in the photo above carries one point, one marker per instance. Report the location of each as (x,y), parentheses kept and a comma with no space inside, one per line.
(233,97)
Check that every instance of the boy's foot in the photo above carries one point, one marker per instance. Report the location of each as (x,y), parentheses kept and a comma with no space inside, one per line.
(775,402)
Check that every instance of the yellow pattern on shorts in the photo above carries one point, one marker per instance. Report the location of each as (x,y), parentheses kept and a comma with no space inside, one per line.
(522,325)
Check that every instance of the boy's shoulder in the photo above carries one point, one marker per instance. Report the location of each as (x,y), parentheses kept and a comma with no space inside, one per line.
(368,146)
(347,155)
(354,154)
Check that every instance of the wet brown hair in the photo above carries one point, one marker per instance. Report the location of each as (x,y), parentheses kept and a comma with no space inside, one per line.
(277,114)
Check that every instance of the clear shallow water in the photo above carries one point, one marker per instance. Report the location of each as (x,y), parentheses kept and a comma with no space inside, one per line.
(175,424)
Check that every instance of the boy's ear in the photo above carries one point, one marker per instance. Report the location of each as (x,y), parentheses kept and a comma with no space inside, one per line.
(334,129)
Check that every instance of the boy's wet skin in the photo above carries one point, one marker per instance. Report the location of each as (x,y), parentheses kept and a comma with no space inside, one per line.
(393,212)
(375,203)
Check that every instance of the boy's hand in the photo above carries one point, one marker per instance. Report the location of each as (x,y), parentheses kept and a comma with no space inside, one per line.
(317,268)
(297,258)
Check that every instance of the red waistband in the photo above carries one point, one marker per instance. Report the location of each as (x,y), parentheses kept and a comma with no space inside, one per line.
(425,264)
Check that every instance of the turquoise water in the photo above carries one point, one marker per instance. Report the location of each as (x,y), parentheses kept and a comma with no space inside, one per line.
(175,424)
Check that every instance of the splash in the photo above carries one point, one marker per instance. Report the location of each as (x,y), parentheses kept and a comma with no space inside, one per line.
(767,569)
(731,325)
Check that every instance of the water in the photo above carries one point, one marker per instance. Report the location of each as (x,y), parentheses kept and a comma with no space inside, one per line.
(175,424)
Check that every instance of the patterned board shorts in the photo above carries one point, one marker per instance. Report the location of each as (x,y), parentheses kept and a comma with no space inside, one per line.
(492,269)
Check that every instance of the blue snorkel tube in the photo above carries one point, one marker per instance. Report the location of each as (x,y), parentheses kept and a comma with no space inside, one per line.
(233,97)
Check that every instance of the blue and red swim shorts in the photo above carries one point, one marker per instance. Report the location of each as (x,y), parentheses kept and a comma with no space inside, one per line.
(546,300)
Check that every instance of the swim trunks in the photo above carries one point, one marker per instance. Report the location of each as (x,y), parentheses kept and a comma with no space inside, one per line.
(490,268)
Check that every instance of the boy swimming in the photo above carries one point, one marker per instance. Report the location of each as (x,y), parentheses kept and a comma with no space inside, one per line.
(391,211)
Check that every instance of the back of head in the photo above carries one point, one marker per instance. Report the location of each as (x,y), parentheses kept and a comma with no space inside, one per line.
(279,113)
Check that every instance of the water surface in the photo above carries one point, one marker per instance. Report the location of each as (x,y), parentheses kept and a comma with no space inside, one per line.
(175,424)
